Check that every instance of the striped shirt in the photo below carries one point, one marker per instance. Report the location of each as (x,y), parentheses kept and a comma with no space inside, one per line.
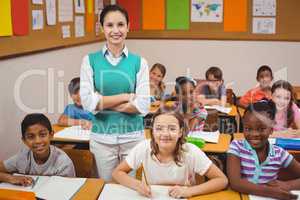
(254,171)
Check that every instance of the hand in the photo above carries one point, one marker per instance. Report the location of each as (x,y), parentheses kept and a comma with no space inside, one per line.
(127,97)
(178,191)
(85,124)
(144,189)
(20,180)
(279,184)
(284,195)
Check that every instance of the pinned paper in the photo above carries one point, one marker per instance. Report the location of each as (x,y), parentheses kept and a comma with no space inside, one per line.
(79,6)
(79,26)
(266,25)
(37,19)
(264,7)
(51,12)
(153,15)
(235,15)
(178,14)
(20,17)
(207,10)
(66,33)
(5,18)
(65,10)
(133,8)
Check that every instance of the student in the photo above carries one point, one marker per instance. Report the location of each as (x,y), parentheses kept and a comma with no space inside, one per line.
(264,77)
(168,160)
(287,112)
(74,114)
(214,92)
(253,164)
(157,86)
(114,85)
(39,158)
(194,113)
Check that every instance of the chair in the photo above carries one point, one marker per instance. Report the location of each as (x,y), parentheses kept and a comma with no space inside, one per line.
(83,161)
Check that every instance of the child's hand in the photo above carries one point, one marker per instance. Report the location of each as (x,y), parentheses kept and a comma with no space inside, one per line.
(285,195)
(128,97)
(85,124)
(144,189)
(178,191)
(279,184)
(21,180)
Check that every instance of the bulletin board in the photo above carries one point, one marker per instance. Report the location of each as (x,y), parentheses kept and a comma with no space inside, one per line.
(50,37)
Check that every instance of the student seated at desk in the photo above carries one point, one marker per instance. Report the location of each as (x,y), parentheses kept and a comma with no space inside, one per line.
(214,92)
(194,113)
(167,160)
(39,157)
(264,77)
(157,86)
(74,114)
(253,164)
(287,112)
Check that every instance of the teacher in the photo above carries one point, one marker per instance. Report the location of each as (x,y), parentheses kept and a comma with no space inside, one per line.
(115,87)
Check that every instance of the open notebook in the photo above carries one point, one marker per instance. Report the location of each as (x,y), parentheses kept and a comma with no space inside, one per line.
(219,108)
(207,136)
(51,187)
(73,132)
(254,197)
(119,192)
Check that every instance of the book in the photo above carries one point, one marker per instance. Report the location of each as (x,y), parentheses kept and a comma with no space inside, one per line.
(73,132)
(212,137)
(120,192)
(254,197)
(50,187)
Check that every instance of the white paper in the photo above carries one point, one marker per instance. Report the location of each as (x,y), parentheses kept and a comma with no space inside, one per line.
(66,33)
(207,10)
(65,10)
(37,1)
(264,25)
(254,197)
(219,108)
(119,192)
(264,7)
(60,188)
(51,12)
(37,19)
(212,137)
(79,6)
(74,132)
(98,6)
(50,187)
(113,2)
(79,26)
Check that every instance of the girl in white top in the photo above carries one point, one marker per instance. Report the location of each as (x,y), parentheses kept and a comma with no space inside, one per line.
(168,160)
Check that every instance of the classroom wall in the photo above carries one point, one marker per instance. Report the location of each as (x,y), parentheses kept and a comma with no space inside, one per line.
(38,82)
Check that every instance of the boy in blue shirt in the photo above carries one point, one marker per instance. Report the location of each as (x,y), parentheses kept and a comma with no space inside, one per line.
(74,115)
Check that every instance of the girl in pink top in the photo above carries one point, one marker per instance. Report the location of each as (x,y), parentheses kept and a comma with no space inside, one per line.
(287,112)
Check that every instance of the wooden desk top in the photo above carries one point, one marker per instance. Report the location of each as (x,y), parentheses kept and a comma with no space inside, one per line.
(57,128)
(244,197)
(90,190)
(222,195)
(221,147)
(234,111)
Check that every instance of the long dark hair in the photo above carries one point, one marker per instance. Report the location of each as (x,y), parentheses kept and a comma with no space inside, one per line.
(287,86)
(178,152)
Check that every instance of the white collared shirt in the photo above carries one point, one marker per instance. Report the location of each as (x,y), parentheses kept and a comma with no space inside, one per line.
(90,97)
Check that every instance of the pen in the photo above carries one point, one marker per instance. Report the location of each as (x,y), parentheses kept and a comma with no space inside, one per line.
(143,171)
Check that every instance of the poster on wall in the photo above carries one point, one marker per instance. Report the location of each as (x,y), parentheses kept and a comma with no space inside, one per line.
(207,11)
(264,7)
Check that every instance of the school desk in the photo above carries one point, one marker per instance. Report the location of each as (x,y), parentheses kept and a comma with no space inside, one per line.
(222,195)
(90,190)
(295,153)
(244,197)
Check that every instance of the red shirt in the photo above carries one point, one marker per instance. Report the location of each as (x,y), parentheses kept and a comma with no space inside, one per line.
(254,95)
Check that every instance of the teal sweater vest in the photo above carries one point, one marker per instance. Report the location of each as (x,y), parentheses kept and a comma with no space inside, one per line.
(111,80)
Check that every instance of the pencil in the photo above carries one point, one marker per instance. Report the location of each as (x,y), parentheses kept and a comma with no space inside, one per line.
(34,182)
(143,171)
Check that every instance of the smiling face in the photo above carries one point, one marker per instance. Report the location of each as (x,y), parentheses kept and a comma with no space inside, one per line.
(281,98)
(257,129)
(76,99)
(115,28)
(156,76)
(213,82)
(37,137)
(265,79)
(166,132)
